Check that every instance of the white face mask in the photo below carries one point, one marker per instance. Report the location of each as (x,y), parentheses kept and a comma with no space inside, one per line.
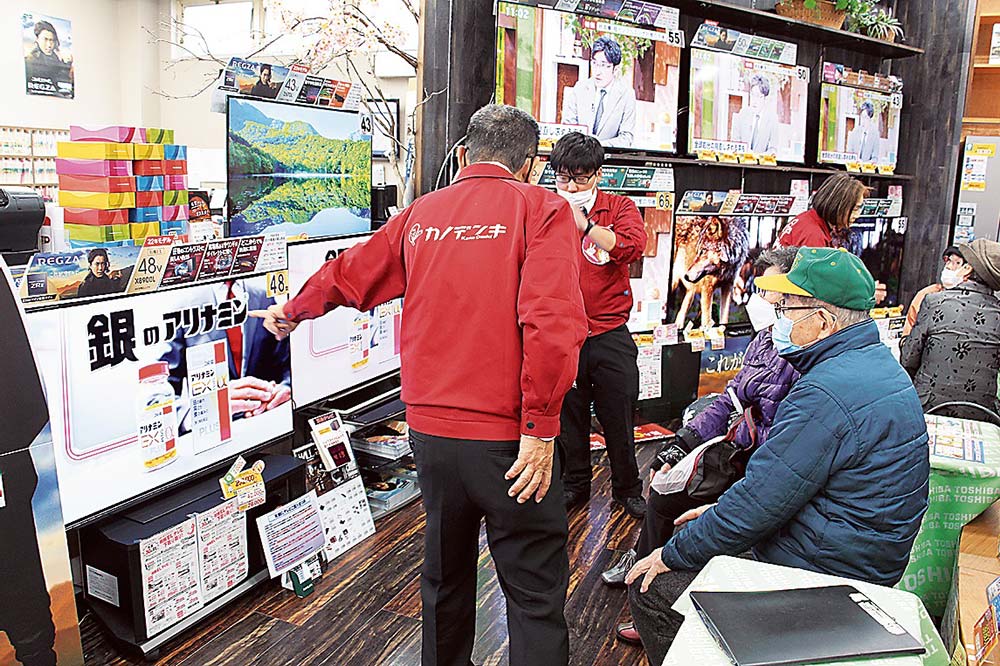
(582,200)
(950,278)
(761,312)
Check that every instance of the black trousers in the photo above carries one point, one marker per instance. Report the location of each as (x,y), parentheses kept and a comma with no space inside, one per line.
(25,613)
(658,525)
(609,377)
(462,482)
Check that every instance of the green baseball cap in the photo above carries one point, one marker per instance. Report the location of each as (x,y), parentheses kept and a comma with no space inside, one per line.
(831,275)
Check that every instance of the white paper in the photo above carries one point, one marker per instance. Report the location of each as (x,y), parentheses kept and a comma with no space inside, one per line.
(663,180)
(650,371)
(102,585)
(170,587)
(208,386)
(273,253)
(222,549)
(291,534)
(347,518)
(677,478)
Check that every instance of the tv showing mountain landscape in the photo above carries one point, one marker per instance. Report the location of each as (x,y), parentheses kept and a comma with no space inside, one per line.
(303,171)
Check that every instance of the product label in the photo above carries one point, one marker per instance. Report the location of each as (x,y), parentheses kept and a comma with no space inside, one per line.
(208,384)
(103,586)
(157,434)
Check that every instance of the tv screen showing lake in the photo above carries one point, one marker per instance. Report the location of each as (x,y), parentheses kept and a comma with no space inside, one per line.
(298,170)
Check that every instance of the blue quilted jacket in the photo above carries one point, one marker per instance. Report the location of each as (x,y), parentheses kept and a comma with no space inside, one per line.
(840,485)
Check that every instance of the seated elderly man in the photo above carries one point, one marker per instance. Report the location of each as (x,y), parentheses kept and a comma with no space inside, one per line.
(840,485)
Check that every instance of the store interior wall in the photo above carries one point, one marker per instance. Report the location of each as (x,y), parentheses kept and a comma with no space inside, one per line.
(126,77)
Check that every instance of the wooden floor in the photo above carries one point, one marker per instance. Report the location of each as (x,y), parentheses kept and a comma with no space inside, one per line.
(366,609)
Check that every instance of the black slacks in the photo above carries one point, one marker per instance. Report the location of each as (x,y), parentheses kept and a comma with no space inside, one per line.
(609,377)
(658,525)
(462,482)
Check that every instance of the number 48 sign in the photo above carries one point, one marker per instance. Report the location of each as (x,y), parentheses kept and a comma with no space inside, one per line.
(277,283)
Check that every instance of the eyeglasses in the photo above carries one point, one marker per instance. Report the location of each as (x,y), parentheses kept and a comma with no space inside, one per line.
(780,310)
(597,64)
(564,178)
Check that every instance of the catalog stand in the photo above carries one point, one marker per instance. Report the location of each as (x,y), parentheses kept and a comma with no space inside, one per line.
(112,547)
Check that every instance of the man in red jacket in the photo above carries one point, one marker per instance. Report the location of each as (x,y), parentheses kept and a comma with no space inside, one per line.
(491,332)
(613,237)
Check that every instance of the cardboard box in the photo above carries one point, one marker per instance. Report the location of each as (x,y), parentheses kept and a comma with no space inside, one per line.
(105,233)
(144,214)
(149,183)
(142,230)
(175,198)
(114,133)
(175,182)
(98,200)
(148,151)
(159,135)
(94,150)
(173,151)
(175,167)
(173,227)
(105,168)
(148,199)
(148,167)
(171,213)
(97,183)
(94,217)
(86,245)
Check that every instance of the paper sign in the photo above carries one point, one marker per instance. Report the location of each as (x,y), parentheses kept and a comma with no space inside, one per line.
(250,490)
(277,284)
(171,590)
(650,370)
(332,441)
(291,534)
(983,149)
(103,586)
(222,549)
(227,481)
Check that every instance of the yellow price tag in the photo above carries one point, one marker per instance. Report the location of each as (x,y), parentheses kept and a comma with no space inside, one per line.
(748,158)
(984,149)
(277,283)
(728,158)
(708,155)
(664,201)
(768,160)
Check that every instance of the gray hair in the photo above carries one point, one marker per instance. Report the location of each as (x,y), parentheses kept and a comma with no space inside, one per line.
(781,258)
(502,133)
(845,317)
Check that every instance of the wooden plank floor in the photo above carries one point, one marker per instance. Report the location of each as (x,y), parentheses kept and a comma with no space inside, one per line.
(366,609)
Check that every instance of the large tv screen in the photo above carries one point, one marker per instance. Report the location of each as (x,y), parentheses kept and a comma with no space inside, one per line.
(879,242)
(615,80)
(858,126)
(344,348)
(304,171)
(743,105)
(150,389)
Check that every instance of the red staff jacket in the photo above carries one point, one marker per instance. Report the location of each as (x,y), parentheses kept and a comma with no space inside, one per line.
(607,294)
(493,318)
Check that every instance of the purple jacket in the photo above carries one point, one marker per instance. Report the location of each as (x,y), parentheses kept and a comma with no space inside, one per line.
(762,383)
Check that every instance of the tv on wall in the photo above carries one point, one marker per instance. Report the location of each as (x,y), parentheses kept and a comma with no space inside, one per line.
(612,79)
(859,118)
(303,171)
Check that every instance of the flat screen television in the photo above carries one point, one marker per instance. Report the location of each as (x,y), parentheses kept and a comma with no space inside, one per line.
(858,126)
(345,348)
(94,355)
(615,80)
(299,170)
(879,242)
(744,105)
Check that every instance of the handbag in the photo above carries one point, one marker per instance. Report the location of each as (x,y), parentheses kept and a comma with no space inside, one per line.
(722,463)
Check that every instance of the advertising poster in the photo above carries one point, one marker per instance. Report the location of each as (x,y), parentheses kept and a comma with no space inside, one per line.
(254,78)
(48,55)
(171,589)
(78,274)
(222,549)
(135,384)
(345,347)
(720,366)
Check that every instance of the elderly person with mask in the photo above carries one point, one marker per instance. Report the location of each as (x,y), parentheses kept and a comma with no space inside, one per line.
(841,483)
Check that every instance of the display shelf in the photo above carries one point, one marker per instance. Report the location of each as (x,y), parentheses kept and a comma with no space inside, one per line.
(757,20)
(378,514)
(667,160)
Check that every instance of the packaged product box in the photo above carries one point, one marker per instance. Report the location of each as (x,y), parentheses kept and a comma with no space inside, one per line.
(144,214)
(150,183)
(142,230)
(94,217)
(86,245)
(175,152)
(104,233)
(175,182)
(148,199)
(173,227)
(98,200)
(106,168)
(171,213)
(175,167)
(94,150)
(148,151)
(175,198)
(159,135)
(97,183)
(114,133)
(148,167)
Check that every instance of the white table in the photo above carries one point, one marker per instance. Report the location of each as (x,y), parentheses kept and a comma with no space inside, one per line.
(695,645)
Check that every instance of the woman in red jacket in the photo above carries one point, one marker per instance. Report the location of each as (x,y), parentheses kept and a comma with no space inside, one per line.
(835,206)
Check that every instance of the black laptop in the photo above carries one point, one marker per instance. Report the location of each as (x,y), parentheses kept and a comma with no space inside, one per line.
(810,625)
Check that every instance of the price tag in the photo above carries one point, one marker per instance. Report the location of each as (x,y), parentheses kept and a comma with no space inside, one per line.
(854,167)
(708,155)
(748,158)
(728,158)
(983,149)
(277,283)
(150,265)
(664,201)
(868,167)
(886,169)
(767,160)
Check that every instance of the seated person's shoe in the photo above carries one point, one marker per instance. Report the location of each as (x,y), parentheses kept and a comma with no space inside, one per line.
(615,576)
(575,498)
(634,506)
(627,633)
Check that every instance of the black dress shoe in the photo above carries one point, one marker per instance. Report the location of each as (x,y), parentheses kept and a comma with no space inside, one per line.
(634,506)
(574,498)
(615,576)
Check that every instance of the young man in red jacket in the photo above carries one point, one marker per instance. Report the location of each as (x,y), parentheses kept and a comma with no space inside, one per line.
(491,332)
(613,236)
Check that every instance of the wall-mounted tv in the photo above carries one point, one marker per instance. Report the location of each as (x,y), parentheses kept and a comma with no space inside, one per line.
(879,242)
(615,80)
(858,126)
(304,171)
(744,105)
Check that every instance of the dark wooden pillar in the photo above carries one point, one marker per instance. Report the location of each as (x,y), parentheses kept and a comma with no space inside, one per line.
(934,88)
(457,55)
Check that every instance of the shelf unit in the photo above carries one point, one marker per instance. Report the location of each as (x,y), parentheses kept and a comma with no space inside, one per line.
(48,187)
(982,101)
(669,160)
